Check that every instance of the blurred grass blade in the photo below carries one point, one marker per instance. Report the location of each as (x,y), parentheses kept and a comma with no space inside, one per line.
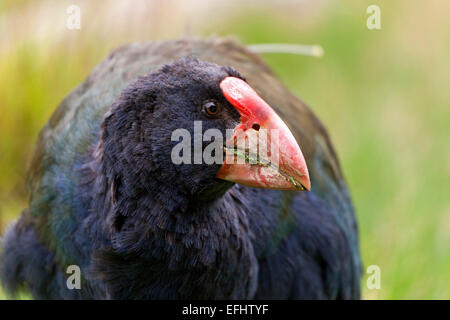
(301,49)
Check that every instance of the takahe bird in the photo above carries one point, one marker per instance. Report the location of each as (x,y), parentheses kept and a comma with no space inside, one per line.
(105,195)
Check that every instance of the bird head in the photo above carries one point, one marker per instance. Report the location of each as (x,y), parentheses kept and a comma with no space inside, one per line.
(200,127)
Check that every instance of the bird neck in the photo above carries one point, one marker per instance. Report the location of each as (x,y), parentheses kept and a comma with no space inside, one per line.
(162,229)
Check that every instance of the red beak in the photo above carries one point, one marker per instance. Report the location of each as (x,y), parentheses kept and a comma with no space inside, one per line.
(263,152)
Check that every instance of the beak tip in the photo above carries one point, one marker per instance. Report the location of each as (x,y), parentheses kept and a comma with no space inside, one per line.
(302,184)
(307,187)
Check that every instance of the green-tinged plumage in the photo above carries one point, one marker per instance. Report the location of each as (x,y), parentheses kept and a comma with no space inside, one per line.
(286,230)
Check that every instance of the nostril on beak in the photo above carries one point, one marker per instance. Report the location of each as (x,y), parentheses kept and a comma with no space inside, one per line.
(256,126)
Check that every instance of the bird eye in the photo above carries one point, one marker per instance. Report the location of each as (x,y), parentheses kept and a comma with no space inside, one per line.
(211,108)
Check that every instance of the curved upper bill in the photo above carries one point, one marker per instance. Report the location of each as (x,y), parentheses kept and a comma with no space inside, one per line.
(262,152)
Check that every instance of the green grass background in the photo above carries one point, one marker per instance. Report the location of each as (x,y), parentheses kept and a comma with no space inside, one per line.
(383,95)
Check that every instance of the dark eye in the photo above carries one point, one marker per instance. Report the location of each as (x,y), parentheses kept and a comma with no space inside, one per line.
(211,108)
